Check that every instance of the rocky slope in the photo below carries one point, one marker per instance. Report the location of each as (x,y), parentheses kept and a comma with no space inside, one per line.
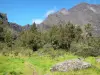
(80,14)
(14,26)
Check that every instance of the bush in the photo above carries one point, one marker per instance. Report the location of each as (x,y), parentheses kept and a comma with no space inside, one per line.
(51,52)
(1,22)
(2,45)
(85,50)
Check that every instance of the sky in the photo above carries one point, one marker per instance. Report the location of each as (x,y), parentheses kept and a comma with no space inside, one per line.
(25,12)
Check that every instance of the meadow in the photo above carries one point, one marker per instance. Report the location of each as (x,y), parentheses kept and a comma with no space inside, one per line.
(40,62)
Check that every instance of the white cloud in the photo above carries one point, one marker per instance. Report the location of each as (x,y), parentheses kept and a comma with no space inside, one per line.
(37,21)
(50,11)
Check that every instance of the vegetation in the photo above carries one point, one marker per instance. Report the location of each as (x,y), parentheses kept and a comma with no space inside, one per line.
(35,51)
(40,64)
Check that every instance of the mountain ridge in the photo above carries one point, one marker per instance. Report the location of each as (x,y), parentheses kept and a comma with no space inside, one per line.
(80,14)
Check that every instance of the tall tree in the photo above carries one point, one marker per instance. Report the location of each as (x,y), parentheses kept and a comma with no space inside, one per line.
(33,27)
(31,38)
(88,31)
(54,37)
(1,33)
(8,37)
(78,33)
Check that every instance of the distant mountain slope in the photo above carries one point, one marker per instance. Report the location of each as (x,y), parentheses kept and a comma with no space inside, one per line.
(15,27)
(26,27)
(80,14)
(4,21)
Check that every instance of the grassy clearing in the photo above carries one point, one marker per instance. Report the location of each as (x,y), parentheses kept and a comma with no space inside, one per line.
(14,66)
(40,64)
(10,65)
(43,65)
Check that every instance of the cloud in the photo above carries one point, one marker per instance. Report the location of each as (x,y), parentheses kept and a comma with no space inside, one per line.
(50,11)
(37,21)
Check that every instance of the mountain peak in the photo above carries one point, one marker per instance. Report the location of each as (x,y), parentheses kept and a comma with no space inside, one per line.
(80,14)
(83,3)
(64,11)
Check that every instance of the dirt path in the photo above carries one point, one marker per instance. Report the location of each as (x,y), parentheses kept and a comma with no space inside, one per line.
(30,69)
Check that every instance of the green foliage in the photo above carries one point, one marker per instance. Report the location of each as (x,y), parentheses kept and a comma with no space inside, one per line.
(63,35)
(1,22)
(78,33)
(33,27)
(41,64)
(50,47)
(69,37)
(8,37)
(31,38)
(84,50)
(1,33)
(54,37)
(88,33)
(9,66)
(88,29)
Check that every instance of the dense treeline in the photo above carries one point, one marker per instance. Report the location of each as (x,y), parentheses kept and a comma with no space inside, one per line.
(68,37)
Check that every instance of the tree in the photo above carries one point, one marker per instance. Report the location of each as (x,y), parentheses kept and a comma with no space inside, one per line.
(31,38)
(1,33)
(67,35)
(8,37)
(88,31)
(62,35)
(33,27)
(78,33)
(54,37)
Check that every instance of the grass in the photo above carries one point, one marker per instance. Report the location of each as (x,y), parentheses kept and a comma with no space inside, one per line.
(13,66)
(39,64)
(10,65)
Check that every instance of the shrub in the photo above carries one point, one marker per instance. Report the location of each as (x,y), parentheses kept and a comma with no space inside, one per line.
(85,50)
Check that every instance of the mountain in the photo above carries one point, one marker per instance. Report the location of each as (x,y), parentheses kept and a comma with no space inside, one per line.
(80,14)
(26,27)
(19,28)
(3,18)
(4,21)
(15,27)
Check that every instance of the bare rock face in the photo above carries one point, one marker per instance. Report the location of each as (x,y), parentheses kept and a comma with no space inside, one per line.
(80,14)
(75,64)
(64,11)
(26,27)
(15,27)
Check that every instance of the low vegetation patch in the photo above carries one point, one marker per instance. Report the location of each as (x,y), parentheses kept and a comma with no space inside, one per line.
(40,65)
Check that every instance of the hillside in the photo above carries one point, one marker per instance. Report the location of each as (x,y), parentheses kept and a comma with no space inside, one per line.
(14,26)
(80,14)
